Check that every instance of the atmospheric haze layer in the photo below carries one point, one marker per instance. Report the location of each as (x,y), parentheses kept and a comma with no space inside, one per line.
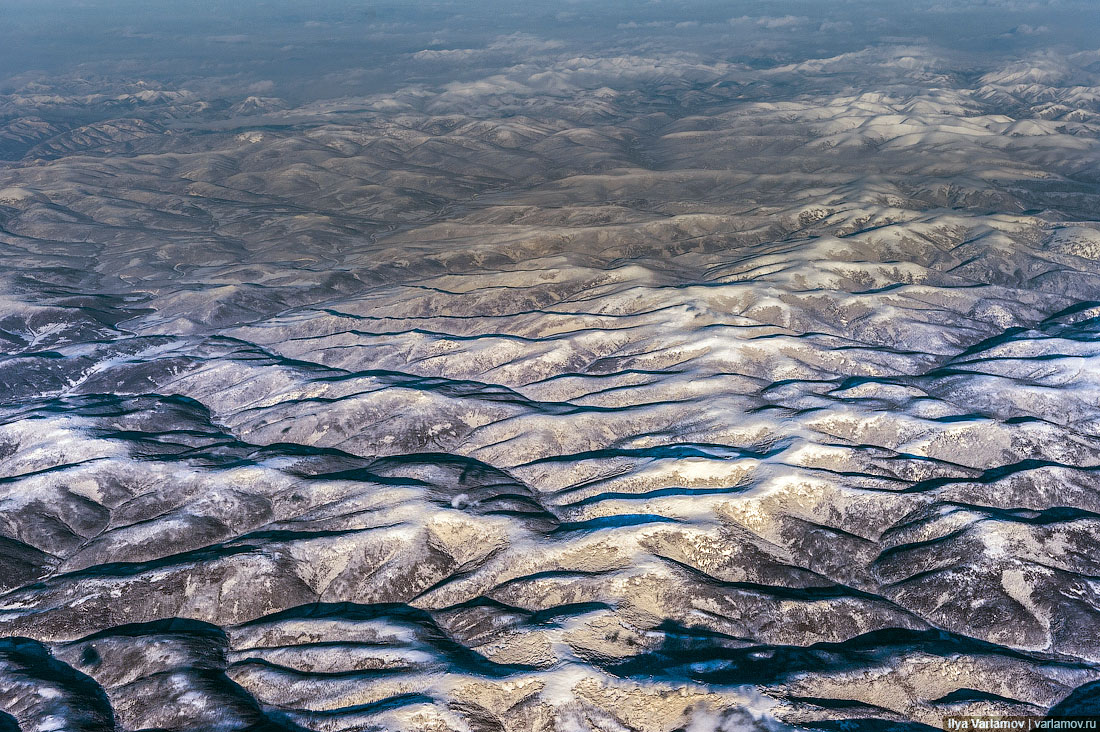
(600,367)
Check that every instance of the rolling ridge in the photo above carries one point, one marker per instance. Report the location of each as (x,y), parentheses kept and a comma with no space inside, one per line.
(631,412)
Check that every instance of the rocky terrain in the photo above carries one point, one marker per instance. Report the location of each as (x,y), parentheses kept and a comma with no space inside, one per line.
(611,393)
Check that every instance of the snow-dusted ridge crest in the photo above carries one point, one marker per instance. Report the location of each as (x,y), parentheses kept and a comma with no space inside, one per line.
(626,392)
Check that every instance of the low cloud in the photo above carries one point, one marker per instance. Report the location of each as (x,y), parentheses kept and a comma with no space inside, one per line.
(521,44)
(771,22)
